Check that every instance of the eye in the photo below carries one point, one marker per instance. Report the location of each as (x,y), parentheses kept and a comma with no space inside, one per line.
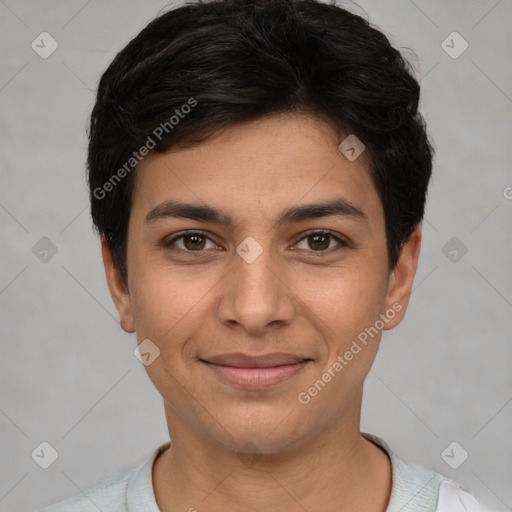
(192,241)
(320,241)
(196,241)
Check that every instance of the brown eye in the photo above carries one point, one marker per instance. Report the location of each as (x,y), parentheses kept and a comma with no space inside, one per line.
(195,241)
(320,241)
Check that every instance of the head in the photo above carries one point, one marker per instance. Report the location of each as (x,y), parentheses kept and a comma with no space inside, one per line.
(225,119)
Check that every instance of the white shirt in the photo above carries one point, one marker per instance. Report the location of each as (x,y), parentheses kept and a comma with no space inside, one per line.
(414,489)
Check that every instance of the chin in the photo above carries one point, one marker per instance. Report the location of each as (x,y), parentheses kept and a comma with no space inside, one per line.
(262,432)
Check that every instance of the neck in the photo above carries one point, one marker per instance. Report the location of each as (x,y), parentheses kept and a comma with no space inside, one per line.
(338,470)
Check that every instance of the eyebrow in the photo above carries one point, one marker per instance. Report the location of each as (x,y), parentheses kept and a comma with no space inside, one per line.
(336,207)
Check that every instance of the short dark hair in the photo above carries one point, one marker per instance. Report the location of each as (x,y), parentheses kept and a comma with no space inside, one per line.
(232,61)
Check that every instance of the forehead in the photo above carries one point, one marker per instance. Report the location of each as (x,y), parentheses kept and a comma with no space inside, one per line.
(266,164)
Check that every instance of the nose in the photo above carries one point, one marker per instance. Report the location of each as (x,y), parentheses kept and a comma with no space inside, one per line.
(255,295)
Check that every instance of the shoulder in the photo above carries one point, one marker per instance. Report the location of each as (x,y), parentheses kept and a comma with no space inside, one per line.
(130,491)
(109,495)
(454,498)
(416,488)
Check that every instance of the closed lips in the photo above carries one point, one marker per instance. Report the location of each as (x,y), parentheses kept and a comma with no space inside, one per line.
(239,360)
(255,373)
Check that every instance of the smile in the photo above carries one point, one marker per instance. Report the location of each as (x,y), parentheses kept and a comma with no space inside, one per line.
(253,373)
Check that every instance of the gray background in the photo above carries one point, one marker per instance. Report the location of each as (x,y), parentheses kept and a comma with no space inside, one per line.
(68,374)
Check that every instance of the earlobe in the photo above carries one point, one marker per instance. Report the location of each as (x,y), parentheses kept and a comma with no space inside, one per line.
(402,278)
(118,290)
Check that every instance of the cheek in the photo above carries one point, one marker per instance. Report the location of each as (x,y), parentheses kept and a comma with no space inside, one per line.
(167,312)
(344,302)
(156,309)
(346,314)
(165,300)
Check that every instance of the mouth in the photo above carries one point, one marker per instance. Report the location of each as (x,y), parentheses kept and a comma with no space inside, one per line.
(255,372)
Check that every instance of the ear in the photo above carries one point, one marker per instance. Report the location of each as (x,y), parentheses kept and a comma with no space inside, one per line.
(402,277)
(118,290)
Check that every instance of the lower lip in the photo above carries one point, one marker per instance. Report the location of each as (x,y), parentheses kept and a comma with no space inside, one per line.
(256,378)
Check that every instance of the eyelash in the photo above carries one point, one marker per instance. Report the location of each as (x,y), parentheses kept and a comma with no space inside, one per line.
(342,243)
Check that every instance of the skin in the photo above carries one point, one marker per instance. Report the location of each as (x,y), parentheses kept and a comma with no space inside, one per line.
(237,449)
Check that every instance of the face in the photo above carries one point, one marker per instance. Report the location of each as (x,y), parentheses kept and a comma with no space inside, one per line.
(267,311)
